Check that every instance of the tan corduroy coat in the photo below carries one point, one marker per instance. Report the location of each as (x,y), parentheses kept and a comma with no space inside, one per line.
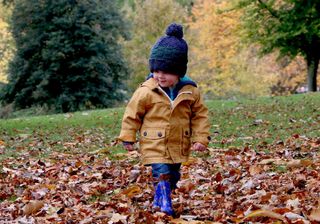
(167,128)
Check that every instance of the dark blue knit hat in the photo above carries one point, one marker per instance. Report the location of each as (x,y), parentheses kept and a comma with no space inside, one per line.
(170,52)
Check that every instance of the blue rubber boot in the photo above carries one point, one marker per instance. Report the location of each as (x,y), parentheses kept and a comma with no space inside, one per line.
(162,197)
(157,199)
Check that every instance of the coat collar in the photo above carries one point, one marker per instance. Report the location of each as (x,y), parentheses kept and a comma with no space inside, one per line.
(184,82)
(153,85)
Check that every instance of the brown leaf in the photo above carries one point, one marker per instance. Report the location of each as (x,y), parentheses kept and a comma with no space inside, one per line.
(265,213)
(78,164)
(295,163)
(190,161)
(181,221)
(187,187)
(116,218)
(306,162)
(254,170)
(271,161)
(218,177)
(32,207)
(132,191)
(315,215)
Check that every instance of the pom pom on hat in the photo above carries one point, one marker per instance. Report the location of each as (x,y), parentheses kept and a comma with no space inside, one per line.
(170,52)
(175,30)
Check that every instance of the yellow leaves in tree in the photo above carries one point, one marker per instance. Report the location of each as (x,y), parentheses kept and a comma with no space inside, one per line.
(6,42)
(221,64)
(214,42)
(215,32)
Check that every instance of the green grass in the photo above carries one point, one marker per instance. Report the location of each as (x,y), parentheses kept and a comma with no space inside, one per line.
(235,123)
(86,119)
(264,120)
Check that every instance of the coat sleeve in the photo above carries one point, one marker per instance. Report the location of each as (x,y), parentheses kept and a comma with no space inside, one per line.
(200,125)
(133,116)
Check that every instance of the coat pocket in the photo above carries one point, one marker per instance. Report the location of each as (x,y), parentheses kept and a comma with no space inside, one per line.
(186,142)
(152,142)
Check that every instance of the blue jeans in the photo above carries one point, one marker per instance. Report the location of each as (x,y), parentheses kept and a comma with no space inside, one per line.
(173,170)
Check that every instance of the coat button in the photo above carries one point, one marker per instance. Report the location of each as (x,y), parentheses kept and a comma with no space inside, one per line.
(145,133)
(159,134)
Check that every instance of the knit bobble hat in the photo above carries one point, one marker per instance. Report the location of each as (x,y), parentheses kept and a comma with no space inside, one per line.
(170,52)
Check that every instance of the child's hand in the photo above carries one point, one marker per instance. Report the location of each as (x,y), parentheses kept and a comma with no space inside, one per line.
(128,146)
(199,147)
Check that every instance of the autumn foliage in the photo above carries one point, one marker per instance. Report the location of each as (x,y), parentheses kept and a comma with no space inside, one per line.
(229,185)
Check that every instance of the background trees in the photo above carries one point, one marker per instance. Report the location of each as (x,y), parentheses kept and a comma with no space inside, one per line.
(222,64)
(290,26)
(67,55)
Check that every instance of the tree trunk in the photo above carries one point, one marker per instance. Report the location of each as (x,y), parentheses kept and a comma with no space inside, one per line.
(313,63)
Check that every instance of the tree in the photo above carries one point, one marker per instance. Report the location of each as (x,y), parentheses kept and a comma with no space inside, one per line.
(7,2)
(68,57)
(291,75)
(149,20)
(6,41)
(290,26)
(221,64)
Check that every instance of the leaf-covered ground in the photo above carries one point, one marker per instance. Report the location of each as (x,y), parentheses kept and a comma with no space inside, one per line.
(227,186)
(262,167)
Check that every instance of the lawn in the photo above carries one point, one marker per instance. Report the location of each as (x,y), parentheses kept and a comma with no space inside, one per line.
(235,123)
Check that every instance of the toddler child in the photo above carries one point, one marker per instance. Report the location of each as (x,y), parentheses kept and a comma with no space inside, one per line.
(168,112)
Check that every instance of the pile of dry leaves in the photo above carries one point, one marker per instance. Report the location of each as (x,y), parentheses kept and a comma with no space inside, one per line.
(277,183)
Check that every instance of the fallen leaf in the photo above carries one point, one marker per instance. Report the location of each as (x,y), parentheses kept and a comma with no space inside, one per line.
(86,220)
(293,216)
(294,203)
(270,161)
(181,221)
(116,217)
(296,163)
(190,161)
(187,187)
(306,162)
(32,207)
(132,191)
(254,170)
(264,213)
(315,215)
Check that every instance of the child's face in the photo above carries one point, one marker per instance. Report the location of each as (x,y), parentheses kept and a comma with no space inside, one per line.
(165,79)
